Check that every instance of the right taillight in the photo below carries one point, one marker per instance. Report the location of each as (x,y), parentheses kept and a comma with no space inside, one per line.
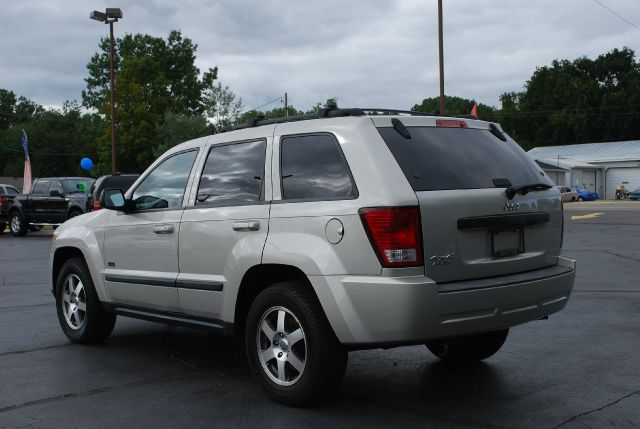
(395,235)
(95,204)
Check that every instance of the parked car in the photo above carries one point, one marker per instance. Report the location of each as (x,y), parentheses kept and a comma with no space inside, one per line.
(635,194)
(318,234)
(50,202)
(7,193)
(567,193)
(116,181)
(585,195)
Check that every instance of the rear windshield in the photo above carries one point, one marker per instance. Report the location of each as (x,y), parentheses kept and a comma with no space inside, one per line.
(113,182)
(459,158)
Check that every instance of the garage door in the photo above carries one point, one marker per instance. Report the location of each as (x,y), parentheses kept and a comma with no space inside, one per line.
(556,177)
(629,176)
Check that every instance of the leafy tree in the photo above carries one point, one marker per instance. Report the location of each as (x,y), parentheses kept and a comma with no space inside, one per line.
(222,105)
(153,75)
(177,129)
(453,106)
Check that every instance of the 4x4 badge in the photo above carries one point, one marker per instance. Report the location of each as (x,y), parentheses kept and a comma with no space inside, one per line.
(510,206)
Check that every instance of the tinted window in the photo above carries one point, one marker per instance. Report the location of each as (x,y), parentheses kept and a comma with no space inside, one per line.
(56,186)
(77,185)
(459,158)
(233,172)
(313,167)
(40,187)
(164,186)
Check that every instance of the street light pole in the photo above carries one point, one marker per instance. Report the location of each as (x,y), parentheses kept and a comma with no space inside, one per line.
(441,57)
(113,103)
(110,16)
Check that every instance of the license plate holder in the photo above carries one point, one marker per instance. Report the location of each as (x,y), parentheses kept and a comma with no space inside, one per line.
(507,242)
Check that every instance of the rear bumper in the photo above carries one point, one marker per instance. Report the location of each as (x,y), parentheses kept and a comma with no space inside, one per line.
(368,310)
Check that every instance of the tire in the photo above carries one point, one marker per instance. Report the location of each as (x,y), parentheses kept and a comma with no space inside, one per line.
(296,360)
(3,226)
(17,224)
(473,348)
(580,199)
(75,291)
(74,213)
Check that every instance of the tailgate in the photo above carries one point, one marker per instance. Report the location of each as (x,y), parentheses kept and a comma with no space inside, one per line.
(479,233)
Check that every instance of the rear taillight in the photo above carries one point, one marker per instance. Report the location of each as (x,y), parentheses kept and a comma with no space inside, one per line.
(395,235)
(95,205)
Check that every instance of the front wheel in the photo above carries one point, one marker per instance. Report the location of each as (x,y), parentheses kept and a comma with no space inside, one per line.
(580,199)
(80,313)
(18,225)
(291,348)
(472,348)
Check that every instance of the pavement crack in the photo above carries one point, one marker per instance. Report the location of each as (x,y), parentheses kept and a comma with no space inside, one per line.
(65,396)
(577,416)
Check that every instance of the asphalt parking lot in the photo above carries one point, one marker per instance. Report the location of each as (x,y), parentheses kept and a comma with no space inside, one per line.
(579,368)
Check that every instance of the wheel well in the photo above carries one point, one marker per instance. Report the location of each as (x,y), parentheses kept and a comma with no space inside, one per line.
(62,255)
(257,279)
(73,209)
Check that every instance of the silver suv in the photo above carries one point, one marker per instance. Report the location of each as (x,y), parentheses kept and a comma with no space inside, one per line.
(312,237)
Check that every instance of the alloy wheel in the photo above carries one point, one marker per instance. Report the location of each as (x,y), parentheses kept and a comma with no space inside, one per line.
(282,346)
(74,302)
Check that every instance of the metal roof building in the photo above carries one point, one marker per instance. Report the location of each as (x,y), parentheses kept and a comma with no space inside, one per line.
(598,167)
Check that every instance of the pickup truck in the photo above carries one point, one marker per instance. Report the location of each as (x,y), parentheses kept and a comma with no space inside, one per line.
(51,202)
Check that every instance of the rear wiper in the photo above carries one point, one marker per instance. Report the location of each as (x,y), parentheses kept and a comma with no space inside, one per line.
(524,189)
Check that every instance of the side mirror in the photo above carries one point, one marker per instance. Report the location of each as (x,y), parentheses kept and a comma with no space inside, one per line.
(55,193)
(113,199)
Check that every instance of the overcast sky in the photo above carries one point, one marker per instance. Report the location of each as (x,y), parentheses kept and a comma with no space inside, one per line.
(373,53)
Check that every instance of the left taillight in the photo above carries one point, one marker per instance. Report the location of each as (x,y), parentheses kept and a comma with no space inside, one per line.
(395,234)
(95,205)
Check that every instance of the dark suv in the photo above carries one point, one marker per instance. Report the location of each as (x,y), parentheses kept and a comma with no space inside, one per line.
(117,181)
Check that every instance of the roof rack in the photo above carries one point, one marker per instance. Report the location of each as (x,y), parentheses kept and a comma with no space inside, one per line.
(329,112)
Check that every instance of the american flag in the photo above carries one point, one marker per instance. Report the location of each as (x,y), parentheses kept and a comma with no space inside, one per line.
(26,181)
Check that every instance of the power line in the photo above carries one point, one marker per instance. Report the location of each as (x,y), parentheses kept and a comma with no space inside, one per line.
(617,14)
(265,104)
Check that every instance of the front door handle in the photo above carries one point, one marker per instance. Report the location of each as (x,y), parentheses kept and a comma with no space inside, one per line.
(250,225)
(166,228)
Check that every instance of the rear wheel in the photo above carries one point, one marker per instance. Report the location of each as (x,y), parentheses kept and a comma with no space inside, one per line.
(3,226)
(580,199)
(80,313)
(291,347)
(74,213)
(472,348)
(17,224)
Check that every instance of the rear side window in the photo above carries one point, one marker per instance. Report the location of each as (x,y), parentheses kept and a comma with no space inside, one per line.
(41,187)
(233,173)
(459,158)
(313,167)
(12,191)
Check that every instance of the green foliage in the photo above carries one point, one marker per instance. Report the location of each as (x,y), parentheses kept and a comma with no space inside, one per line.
(580,101)
(453,106)
(153,75)
(177,129)
(222,105)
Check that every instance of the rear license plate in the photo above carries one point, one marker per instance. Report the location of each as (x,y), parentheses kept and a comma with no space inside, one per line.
(506,243)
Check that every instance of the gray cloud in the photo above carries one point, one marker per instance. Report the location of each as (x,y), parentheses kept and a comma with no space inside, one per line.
(367,53)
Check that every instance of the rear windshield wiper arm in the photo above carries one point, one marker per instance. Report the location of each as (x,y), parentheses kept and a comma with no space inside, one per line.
(524,189)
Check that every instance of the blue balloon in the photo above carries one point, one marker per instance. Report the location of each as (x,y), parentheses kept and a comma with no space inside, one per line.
(86,164)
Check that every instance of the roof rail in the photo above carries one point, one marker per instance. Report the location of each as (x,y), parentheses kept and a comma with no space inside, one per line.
(329,112)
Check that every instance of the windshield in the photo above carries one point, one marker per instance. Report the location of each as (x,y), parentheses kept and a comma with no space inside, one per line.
(77,185)
(438,158)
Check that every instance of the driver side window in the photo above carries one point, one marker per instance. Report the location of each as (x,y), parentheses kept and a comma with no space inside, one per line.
(164,187)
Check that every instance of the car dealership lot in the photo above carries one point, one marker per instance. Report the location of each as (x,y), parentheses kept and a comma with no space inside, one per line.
(579,367)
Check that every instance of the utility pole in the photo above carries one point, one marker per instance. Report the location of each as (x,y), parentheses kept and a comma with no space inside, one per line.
(286,105)
(441,57)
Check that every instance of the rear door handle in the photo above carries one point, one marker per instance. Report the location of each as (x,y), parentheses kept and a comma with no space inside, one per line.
(250,225)
(166,228)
